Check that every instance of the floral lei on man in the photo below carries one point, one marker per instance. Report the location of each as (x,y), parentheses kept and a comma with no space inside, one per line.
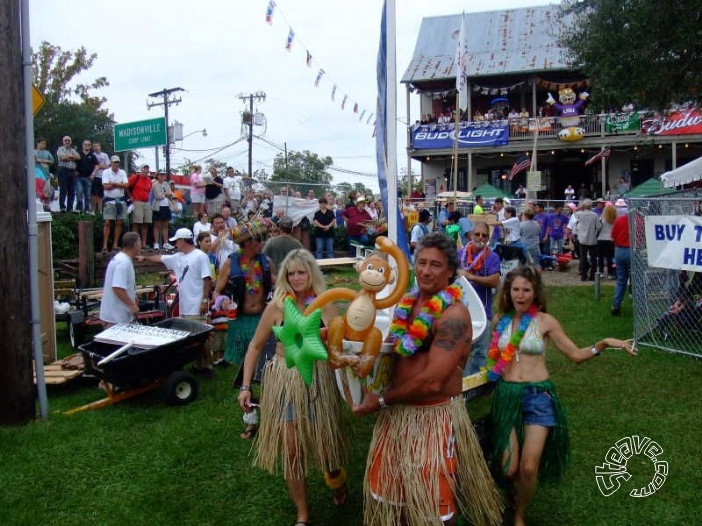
(498,360)
(476,265)
(409,338)
(255,287)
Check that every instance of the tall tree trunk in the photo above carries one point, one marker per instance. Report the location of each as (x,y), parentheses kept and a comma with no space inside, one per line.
(16,384)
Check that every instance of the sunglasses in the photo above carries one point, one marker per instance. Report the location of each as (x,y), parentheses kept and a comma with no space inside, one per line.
(484,236)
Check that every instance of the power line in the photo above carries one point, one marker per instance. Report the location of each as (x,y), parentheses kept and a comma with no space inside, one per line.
(165,94)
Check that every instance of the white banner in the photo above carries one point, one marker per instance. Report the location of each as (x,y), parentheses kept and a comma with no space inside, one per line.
(295,207)
(674,242)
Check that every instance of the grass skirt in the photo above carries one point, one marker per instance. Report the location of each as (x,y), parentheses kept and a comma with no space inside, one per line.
(240,332)
(411,461)
(314,436)
(507,415)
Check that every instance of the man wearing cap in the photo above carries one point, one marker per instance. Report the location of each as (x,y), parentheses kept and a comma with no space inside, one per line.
(247,276)
(140,188)
(119,302)
(114,207)
(67,157)
(192,270)
(588,227)
(279,246)
(355,217)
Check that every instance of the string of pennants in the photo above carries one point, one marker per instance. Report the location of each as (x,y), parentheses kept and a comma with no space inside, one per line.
(505,90)
(555,86)
(322,75)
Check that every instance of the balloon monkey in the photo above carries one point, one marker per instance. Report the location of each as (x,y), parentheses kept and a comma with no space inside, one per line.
(359,322)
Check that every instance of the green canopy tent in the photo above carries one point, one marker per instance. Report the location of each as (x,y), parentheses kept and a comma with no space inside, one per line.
(652,187)
(487,191)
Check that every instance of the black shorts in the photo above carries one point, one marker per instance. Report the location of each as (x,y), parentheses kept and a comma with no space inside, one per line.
(96,187)
(162,214)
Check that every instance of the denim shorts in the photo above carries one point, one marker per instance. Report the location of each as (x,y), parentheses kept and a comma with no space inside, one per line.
(537,407)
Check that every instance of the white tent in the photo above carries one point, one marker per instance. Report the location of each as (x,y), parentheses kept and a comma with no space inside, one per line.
(687,173)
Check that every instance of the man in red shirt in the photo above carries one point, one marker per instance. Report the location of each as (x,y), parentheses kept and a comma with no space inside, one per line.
(142,215)
(356,217)
(622,258)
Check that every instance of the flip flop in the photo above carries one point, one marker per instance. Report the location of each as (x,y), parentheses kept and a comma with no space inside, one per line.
(249,432)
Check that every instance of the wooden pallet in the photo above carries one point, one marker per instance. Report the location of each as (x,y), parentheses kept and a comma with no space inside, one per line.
(55,375)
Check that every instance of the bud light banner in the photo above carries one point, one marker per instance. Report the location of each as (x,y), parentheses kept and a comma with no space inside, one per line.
(470,135)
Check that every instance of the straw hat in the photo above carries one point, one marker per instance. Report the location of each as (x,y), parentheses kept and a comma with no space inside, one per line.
(245,231)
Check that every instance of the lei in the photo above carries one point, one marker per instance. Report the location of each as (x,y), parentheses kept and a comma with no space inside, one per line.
(472,264)
(255,287)
(309,299)
(409,338)
(498,360)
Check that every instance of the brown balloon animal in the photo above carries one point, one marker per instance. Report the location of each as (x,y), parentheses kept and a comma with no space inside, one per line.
(358,324)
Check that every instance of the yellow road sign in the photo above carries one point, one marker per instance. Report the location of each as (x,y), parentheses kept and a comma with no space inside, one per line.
(37,100)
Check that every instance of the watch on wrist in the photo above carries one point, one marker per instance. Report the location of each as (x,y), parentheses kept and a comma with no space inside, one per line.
(381,402)
(594,350)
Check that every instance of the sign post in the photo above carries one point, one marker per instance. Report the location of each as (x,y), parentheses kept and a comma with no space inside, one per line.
(140,134)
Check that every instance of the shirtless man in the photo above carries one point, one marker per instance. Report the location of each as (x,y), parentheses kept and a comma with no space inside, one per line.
(423,404)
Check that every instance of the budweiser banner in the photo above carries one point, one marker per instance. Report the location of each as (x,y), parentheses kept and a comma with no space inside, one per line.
(681,122)
(470,135)
(622,122)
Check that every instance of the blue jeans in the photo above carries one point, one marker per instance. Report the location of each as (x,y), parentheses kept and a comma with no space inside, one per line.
(83,187)
(325,245)
(622,258)
(67,189)
(478,356)
(556,246)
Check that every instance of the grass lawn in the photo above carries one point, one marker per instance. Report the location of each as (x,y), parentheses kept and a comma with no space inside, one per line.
(142,462)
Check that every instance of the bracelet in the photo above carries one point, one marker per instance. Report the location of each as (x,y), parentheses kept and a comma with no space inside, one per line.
(381,402)
(594,350)
(245,388)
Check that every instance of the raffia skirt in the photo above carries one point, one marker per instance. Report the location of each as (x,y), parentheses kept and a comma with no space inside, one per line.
(300,425)
(418,449)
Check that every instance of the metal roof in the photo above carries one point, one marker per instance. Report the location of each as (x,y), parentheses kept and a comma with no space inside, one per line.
(500,42)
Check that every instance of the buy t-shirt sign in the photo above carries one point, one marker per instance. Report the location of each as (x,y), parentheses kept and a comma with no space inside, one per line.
(140,134)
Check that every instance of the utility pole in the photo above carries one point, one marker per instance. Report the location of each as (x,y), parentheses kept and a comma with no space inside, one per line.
(165,94)
(259,95)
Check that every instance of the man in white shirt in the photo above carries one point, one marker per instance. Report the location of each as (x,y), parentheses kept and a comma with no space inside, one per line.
(119,302)
(232,189)
(114,207)
(192,270)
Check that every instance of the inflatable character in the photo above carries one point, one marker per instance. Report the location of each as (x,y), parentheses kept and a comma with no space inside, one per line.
(358,325)
(570,111)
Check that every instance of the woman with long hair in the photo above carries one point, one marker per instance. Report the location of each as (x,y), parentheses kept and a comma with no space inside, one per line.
(605,245)
(300,424)
(530,434)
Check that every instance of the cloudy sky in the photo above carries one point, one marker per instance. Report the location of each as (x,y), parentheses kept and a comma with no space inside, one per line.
(218,49)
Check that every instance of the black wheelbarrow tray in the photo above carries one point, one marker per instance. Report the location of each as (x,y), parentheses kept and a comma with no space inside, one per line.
(139,370)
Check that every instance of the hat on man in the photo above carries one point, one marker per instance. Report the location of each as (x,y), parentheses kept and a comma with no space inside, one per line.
(600,200)
(620,202)
(586,203)
(424,216)
(182,233)
(115,159)
(250,229)
(361,199)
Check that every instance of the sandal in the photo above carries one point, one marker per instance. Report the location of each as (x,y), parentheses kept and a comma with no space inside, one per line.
(340,495)
(249,432)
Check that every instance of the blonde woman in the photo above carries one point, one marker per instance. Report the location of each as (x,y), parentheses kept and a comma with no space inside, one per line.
(605,245)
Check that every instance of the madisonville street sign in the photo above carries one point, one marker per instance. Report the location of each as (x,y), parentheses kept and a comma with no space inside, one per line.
(140,134)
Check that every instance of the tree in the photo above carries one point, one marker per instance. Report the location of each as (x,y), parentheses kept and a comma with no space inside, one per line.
(70,107)
(305,170)
(637,50)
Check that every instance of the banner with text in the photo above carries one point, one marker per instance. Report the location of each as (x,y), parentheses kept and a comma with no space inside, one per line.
(674,242)
(470,135)
(681,122)
(622,122)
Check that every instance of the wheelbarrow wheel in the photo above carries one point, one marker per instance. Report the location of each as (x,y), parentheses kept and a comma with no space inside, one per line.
(180,388)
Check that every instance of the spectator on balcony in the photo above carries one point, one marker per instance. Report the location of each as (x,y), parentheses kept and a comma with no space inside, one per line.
(524,119)
(628,107)
(478,116)
(520,193)
(569,193)
(513,117)
(583,192)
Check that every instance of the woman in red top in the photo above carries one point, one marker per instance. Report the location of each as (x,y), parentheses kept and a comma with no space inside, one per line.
(356,217)
(622,258)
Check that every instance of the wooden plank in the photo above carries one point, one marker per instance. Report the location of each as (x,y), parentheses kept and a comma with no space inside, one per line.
(335,262)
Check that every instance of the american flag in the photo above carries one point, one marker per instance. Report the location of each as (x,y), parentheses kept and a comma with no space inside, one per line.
(519,165)
(602,154)
(269,12)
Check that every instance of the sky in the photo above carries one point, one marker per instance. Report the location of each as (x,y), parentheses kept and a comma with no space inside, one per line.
(217,50)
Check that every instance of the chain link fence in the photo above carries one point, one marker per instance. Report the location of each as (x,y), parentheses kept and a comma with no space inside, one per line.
(667,303)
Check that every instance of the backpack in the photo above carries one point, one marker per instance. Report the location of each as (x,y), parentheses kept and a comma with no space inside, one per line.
(236,285)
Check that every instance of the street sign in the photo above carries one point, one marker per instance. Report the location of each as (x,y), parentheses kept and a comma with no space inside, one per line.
(140,134)
(37,100)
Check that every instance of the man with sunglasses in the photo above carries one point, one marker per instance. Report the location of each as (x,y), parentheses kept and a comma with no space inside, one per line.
(481,267)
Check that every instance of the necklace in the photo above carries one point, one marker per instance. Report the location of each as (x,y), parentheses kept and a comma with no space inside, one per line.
(498,360)
(255,287)
(309,299)
(473,264)
(408,338)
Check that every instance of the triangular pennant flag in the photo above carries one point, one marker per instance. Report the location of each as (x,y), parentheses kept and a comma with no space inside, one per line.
(269,12)
(369,119)
(309,59)
(343,102)
(333,92)
(362,114)
(291,36)
(355,108)
(319,77)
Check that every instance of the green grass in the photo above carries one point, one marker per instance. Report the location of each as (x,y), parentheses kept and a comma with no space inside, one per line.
(142,462)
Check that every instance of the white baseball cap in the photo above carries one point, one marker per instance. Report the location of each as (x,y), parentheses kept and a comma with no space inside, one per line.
(182,233)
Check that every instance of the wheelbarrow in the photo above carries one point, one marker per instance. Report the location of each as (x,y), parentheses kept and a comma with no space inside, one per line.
(129,370)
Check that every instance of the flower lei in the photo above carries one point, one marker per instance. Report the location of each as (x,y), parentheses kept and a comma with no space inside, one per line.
(470,257)
(255,287)
(498,360)
(309,299)
(409,338)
